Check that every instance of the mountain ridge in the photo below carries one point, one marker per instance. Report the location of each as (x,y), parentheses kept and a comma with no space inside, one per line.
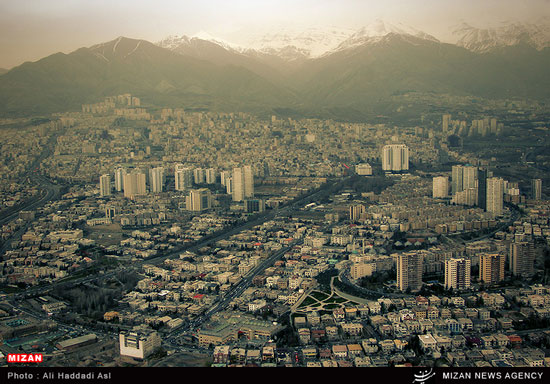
(202,74)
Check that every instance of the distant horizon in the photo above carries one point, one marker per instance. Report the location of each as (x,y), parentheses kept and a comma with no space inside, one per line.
(32,30)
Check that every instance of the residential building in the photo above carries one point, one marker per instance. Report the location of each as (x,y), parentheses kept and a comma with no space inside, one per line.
(105,185)
(522,258)
(395,158)
(199,200)
(134,184)
(536,189)
(138,344)
(491,267)
(457,273)
(440,187)
(409,271)
(495,195)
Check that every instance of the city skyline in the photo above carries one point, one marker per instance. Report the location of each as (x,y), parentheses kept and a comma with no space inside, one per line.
(351,191)
(143,195)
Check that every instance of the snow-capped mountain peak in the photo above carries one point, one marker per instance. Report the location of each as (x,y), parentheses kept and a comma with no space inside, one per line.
(293,43)
(485,39)
(175,41)
(377,30)
(311,42)
(203,35)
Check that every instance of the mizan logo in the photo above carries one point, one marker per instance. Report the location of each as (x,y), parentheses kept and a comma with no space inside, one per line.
(423,376)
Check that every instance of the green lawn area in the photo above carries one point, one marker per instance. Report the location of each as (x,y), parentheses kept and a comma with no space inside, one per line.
(336,299)
(307,302)
(319,295)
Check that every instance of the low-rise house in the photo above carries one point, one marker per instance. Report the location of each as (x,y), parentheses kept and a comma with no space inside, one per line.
(386,346)
(362,361)
(354,350)
(370,346)
(332,332)
(352,329)
(443,342)
(309,352)
(427,342)
(340,351)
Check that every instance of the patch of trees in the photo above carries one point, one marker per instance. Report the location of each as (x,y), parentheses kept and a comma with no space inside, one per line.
(324,278)
(377,279)
(374,184)
(90,301)
(129,280)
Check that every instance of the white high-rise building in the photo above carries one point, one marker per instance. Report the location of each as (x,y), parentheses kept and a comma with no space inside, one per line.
(242,183)
(395,158)
(157,179)
(457,273)
(183,177)
(210,176)
(446,121)
(229,185)
(119,179)
(248,182)
(105,185)
(536,189)
(237,181)
(463,177)
(469,177)
(495,195)
(224,175)
(440,188)
(199,176)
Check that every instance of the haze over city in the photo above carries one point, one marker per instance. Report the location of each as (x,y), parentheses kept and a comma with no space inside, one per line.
(275,184)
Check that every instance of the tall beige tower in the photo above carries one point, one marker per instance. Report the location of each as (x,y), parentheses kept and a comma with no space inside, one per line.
(522,258)
(119,179)
(409,271)
(248,182)
(491,267)
(495,195)
(157,179)
(134,184)
(440,187)
(242,183)
(446,120)
(457,273)
(183,177)
(536,189)
(105,185)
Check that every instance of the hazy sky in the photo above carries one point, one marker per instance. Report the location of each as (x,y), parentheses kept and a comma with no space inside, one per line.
(32,29)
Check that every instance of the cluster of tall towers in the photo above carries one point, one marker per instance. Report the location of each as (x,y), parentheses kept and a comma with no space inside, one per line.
(471,186)
(521,263)
(239,183)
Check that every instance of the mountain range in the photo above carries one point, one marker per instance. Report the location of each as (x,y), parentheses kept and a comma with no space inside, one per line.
(308,73)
